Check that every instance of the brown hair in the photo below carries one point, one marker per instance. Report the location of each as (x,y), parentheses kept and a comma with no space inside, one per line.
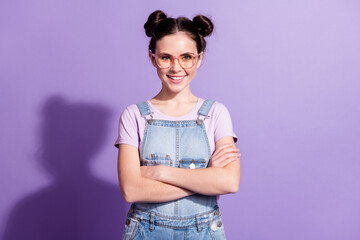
(159,25)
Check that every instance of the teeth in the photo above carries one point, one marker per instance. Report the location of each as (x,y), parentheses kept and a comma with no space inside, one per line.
(176,78)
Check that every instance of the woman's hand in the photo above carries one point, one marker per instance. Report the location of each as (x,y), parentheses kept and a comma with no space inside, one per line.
(224,155)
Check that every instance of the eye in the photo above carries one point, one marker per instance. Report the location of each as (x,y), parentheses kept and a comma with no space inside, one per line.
(164,57)
(186,57)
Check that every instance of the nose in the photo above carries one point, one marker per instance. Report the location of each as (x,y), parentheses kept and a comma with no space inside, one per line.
(176,65)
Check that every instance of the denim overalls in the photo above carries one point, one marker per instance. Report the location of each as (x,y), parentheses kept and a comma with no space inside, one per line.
(182,144)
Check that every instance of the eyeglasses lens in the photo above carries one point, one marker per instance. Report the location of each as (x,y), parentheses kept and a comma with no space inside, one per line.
(185,60)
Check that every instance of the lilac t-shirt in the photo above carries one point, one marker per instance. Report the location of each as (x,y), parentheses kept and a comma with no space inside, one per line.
(132,125)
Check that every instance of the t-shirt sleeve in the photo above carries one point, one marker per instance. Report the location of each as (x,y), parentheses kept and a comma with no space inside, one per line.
(223,123)
(128,132)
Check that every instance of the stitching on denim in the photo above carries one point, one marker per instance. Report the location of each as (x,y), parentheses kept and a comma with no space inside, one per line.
(145,162)
(178,217)
(134,231)
(206,140)
(177,147)
(144,140)
(210,232)
(175,227)
(176,203)
(174,124)
(202,107)
(205,106)
(190,160)
(176,207)
(143,108)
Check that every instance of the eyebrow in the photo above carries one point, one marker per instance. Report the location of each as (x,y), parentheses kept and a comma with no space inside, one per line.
(179,55)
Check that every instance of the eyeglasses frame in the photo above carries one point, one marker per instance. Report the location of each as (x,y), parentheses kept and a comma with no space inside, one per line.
(155,55)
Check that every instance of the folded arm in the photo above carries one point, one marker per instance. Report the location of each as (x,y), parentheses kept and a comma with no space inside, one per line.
(136,188)
(208,181)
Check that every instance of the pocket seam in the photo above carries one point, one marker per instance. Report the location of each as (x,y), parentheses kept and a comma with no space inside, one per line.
(154,162)
(134,230)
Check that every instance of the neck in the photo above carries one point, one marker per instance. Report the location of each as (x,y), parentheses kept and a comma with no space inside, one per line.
(181,97)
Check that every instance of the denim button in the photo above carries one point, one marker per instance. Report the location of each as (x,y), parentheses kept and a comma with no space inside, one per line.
(192,164)
(127,222)
(219,224)
(213,226)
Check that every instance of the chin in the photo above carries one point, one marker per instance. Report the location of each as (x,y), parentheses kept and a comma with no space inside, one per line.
(176,89)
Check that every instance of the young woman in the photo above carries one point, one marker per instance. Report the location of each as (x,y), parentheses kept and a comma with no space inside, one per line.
(176,151)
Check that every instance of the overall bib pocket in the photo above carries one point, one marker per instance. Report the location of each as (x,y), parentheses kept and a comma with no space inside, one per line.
(192,163)
(157,159)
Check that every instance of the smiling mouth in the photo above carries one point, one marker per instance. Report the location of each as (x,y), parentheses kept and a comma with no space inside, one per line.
(176,78)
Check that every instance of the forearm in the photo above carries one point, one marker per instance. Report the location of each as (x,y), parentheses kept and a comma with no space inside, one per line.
(207,181)
(136,188)
(149,190)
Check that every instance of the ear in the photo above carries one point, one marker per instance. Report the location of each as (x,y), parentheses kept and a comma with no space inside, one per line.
(152,59)
(200,60)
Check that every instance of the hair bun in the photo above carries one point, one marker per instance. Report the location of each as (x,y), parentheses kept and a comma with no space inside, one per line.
(204,25)
(153,21)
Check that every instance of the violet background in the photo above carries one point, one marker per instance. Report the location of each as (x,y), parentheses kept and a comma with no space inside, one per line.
(288,71)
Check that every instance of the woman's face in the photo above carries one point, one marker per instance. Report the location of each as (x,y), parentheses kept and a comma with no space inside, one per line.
(175,78)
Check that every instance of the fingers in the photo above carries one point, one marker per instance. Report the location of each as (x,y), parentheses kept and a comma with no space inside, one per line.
(230,159)
(226,148)
(221,162)
(227,161)
(224,154)
(224,159)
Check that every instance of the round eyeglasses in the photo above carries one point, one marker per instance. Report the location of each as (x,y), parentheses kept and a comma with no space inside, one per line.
(186,60)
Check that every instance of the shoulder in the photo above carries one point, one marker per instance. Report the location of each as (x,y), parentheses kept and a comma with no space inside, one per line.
(220,121)
(132,110)
(218,105)
(218,109)
(131,114)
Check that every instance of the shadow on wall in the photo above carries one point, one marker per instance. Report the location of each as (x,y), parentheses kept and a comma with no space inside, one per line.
(76,205)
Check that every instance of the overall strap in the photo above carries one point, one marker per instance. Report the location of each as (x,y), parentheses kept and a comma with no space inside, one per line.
(205,108)
(144,109)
